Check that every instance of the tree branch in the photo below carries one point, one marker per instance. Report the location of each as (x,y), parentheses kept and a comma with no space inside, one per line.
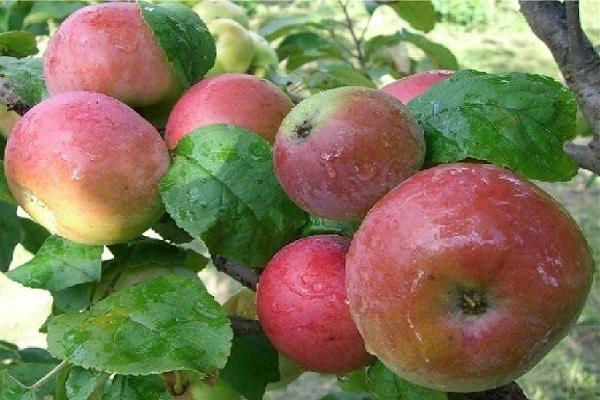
(247,276)
(357,42)
(245,326)
(558,25)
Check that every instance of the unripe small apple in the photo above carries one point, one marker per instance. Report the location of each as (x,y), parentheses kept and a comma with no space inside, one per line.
(303,310)
(237,99)
(210,10)
(87,167)
(264,55)
(465,275)
(411,86)
(338,152)
(108,48)
(233,44)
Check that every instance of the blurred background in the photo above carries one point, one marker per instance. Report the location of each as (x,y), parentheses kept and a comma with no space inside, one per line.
(317,51)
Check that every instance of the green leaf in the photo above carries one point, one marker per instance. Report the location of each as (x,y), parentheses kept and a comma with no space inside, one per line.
(322,226)
(17,44)
(60,264)
(385,385)
(29,373)
(184,38)
(439,56)
(303,47)
(168,323)
(354,382)
(136,388)
(420,14)
(82,383)
(284,25)
(5,194)
(10,233)
(168,230)
(17,11)
(34,235)
(11,389)
(42,11)
(8,352)
(25,77)
(72,299)
(347,75)
(348,396)
(517,120)
(221,186)
(253,364)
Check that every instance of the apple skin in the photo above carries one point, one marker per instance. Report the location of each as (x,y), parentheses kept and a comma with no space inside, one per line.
(108,48)
(302,307)
(338,152)
(86,167)
(233,45)
(464,276)
(409,87)
(209,10)
(237,99)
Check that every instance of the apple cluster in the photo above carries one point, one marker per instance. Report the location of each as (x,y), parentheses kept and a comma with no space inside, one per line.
(461,277)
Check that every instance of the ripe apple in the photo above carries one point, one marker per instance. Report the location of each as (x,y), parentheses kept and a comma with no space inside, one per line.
(409,87)
(87,167)
(238,99)
(264,55)
(210,10)
(465,275)
(302,306)
(339,151)
(108,48)
(234,46)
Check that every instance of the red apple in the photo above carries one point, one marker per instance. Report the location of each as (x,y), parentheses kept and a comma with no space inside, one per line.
(409,87)
(237,99)
(464,276)
(303,309)
(87,167)
(108,48)
(340,151)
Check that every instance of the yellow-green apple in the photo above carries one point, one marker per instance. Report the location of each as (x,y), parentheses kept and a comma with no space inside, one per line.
(465,275)
(210,10)
(302,306)
(264,55)
(234,46)
(409,87)
(87,167)
(237,99)
(8,119)
(338,152)
(108,48)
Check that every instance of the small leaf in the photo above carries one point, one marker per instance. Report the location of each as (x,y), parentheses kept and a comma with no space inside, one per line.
(168,323)
(25,77)
(5,194)
(221,187)
(321,226)
(42,11)
(303,47)
(348,76)
(252,365)
(72,299)
(184,38)
(34,235)
(17,44)
(11,389)
(420,14)
(168,230)
(385,385)
(60,264)
(136,388)
(284,25)
(10,233)
(517,120)
(82,383)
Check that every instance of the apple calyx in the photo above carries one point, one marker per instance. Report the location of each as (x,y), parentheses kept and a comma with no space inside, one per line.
(472,301)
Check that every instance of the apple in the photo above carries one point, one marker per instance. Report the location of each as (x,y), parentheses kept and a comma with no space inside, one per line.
(108,48)
(233,44)
(8,119)
(237,99)
(264,55)
(210,10)
(465,275)
(409,87)
(302,307)
(339,151)
(86,167)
